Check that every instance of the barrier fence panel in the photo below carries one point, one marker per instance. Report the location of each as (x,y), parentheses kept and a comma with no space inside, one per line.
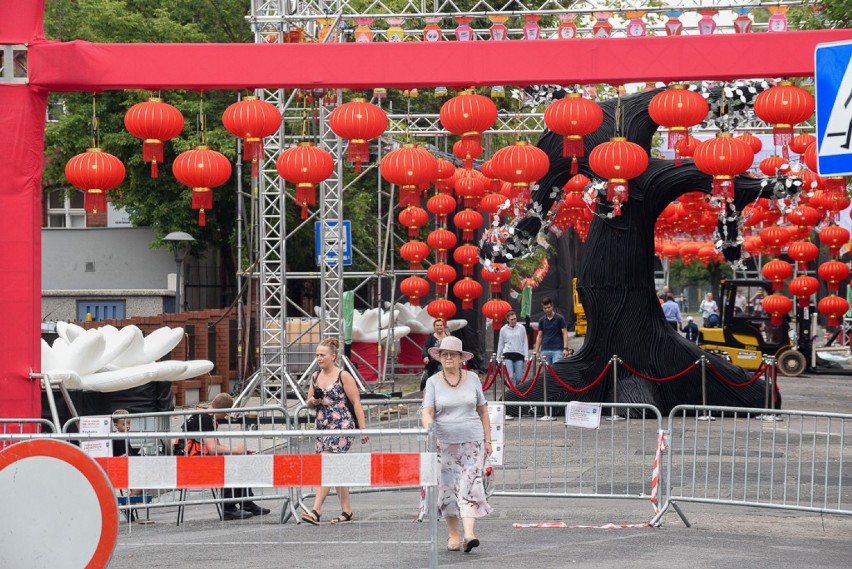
(758,457)
(276,463)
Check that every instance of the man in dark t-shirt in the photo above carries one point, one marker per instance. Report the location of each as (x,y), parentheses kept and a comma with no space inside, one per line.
(551,342)
(208,422)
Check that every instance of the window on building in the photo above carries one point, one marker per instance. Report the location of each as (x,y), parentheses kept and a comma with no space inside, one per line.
(66,209)
(100,310)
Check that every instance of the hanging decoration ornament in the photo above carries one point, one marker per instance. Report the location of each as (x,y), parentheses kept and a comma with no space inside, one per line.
(742,23)
(463,31)
(252,120)
(358,122)
(834,237)
(441,240)
(723,157)
(573,117)
(496,274)
(777,271)
(531,29)
(468,115)
(202,169)
(363,33)
(413,218)
(154,122)
(567,28)
(441,308)
(95,172)
(834,308)
(395,33)
(777,306)
(520,164)
(803,288)
(306,166)
(751,140)
(778,19)
(707,25)
(467,290)
(496,310)
(674,27)
(410,167)
(414,288)
(414,252)
(635,28)
(618,161)
(784,106)
(441,274)
(833,273)
(602,28)
(441,205)
(677,108)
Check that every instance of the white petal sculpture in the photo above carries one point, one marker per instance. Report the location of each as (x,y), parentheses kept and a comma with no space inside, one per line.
(417,318)
(108,359)
(365,325)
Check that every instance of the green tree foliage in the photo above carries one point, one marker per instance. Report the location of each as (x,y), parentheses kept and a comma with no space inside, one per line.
(821,15)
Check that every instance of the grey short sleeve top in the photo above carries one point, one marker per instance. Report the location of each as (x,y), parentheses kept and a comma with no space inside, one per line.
(456,419)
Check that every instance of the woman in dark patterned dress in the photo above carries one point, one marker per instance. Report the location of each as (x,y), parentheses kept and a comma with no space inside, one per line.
(329,389)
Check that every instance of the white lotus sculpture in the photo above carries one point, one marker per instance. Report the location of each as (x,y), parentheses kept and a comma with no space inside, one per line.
(419,321)
(107,359)
(365,325)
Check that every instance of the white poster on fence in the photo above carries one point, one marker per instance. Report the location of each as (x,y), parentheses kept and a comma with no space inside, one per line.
(585,415)
(96,426)
(497,416)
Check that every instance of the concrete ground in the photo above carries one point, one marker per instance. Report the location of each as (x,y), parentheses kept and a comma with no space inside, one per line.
(384,535)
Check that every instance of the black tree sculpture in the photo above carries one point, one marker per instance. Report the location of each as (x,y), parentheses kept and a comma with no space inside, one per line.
(616,281)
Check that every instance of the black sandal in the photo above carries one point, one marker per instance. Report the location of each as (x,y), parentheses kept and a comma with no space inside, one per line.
(470,544)
(343,518)
(311,517)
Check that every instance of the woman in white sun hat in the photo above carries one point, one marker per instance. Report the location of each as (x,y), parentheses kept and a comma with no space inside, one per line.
(454,401)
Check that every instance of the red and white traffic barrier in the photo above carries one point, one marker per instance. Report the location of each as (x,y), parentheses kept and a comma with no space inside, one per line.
(274,470)
(655,475)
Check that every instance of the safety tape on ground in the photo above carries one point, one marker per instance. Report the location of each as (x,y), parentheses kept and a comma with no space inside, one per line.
(564,525)
(267,471)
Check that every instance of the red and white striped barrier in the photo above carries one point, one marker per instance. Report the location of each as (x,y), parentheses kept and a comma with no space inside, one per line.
(655,475)
(274,470)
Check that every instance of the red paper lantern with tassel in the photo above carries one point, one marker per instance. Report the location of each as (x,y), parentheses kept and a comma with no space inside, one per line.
(770,166)
(803,252)
(467,290)
(618,161)
(777,271)
(834,307)
(414,288)
(95,172)
(414,252)
(492,181)
(441,308)
(470,187)
(809,157)
(413,218)
(678,108)
(467,150)
(409,167)
(468,115)
(751,140)
(777,305)
(202,170)
(834,237)
(441,205)
(496,274)
(573,117)
(686,148)
(784,106)
(358,122)
(446,170)
(492,204)
(468,221)
(467,256)
(441,240)
(154,122)
(496,309)
(775,238)
(723,157)
(441,274)
(306,166)
(803,288)
(520,164)
(252,120)
(833,273)
(799,144)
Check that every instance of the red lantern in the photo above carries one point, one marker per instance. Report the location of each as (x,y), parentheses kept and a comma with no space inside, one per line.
(468,115)
(576,184)
(202,170)
(441,308)
(751,140)
(468,221)
(784,106)
(95,172)
(413,218)
(775,238)
(467,290)
(358,122)
(803,252)
(496,274)
(494,204)
(441,274)
(441,205)
(252,119)
(770,166)
(803,288)
(409,167)
(414,288)
(467,256)
(678,108)
(520,164)
(446,170)
(777,271)
(834,307)
(470,187)
(777,305)
(686,147)
(573,117)
(468,150)
(834,237)
(305,165)
(804,216)
(441,240)
(800,142)
(154,122)
(414,252)
(496,310)
(833,273)
(810,157)
(723,157)
(618,161)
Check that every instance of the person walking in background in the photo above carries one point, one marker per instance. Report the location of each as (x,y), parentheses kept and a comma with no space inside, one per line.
(672,313)
(512,346)
(431,366)
(454,402)
(709,311)
(551,342)
(691,330)
(329,390)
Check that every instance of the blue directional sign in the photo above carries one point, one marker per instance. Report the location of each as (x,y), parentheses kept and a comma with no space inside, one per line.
(330,256)
(834,108)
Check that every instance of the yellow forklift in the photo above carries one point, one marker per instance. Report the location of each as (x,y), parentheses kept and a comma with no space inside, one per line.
(579,312)
(745,334)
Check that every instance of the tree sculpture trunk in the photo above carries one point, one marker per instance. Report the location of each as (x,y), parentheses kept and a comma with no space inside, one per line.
(616,284)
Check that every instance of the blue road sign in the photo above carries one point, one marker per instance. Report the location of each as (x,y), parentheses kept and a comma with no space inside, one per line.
(833,78)
(330,256)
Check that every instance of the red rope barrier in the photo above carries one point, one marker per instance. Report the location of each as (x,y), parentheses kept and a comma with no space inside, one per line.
(515,390)
(661,379)
(725,380)
(488,380)
(581,390)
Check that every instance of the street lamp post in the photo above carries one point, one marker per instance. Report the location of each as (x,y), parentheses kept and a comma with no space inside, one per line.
(179,242)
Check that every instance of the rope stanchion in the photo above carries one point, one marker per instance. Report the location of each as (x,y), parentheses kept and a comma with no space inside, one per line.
(659,379)
(582,389)
(489,379)
(516,391)
(729,383)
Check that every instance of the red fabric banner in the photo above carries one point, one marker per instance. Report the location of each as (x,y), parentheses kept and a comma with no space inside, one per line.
(83,66)
(21,21)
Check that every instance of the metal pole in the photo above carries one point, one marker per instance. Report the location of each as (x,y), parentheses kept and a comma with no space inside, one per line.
(499,373)
(613,416)
(707,416)
(179,267)
(546,410)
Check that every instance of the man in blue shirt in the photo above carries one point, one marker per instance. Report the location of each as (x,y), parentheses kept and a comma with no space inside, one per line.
(551,342)
(672,313)
(691,330)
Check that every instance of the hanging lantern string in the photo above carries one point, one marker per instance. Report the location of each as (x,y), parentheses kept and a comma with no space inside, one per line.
(518,115)
(304,121)
(724,109)
(95,136)
(618,115)
(407,118)
(202,127)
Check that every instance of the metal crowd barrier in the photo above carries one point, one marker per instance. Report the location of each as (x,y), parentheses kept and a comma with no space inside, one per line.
(18,426)
(763,458)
